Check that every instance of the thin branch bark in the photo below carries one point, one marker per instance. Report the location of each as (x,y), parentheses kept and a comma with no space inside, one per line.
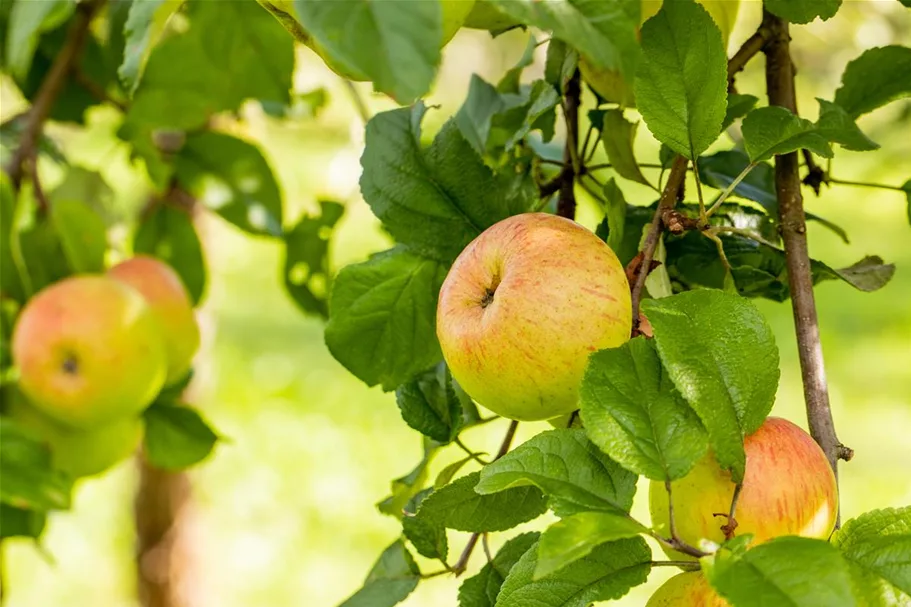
(50,88)
(566,204)
(793,228)
(462,563)
(747,51)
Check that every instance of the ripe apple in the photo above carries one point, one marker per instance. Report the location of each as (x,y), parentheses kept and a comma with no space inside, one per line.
(611,85)
(89,351)
(78,452)
(686,590)
(170,303)
(522,308)
(788,489)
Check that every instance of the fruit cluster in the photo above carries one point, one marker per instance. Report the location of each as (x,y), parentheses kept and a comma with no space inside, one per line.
(92,352)
(519,313)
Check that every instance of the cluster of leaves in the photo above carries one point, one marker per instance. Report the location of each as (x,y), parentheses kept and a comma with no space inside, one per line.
(165,117)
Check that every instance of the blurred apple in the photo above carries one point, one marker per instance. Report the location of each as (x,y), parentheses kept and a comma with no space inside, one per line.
(89,351)
(788,489)
(522,308)
(170,303)
(686,590)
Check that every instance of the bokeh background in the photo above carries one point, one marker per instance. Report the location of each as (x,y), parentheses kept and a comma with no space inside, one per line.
(283,514)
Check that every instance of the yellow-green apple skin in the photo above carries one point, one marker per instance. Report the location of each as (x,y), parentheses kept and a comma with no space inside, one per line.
(170,302)
(89,351)
(523,307)
(77,452)
(486,16)
(689,589)
(611,85)
(788,489)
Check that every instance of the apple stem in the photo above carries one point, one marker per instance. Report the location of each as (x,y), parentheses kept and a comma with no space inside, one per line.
(462,564)
(793,229)
(686,565)
(729,527)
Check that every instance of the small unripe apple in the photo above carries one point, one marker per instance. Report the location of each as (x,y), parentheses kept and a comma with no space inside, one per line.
(611,85)
(170,302)
(688,589)
(77,452)
(522,308)
(788,489)
(89,351)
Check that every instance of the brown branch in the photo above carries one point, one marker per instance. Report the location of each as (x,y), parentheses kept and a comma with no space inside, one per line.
(50,88)
(747,51)
(793,229)
(462,563)
(566,204)
(95,90)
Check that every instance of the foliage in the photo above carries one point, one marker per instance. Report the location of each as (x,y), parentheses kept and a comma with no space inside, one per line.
(704,377)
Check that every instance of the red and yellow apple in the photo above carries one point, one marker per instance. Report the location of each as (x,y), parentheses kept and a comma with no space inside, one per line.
(686,590)
(788,489)
(79,452)
(522,308)
(89,351)
(170,302)
(611,85)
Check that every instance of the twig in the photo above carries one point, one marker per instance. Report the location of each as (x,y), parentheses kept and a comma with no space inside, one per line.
(462,563)
(747,51)
(792,225)
(358,101)
(730,189)
(486,546)
(688,565)
(96,90)
(865,184)
(471,454)
(566,204)
(50,88)
(288,21)
(674,541)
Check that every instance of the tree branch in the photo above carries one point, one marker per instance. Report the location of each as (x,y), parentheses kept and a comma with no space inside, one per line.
(566,204)
(462,563)
(793,229)
(50,88)
(747,51)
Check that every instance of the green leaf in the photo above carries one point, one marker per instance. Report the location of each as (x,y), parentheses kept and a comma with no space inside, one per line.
(574,537)
(880,543)
(405,488)
(176,436)
(906,187)
(145,25)
(617,136)
(868,274)
(27,20)
(787,571)
(224,40)
(396,44)
(568,468)
(481,590)
(428,538)
(476,114)
(382,317)
(738,107)
(878,76)
(605,32)
(231,177)
(168,234)
(17,522)
(870,590)
(82,233)
(393,577)
(307,273)
(837,126)
(632,411)
(607,573)
(29,480)
(438,199)
(803,11)
(89,187)
(459,506)
(560,64)
(615,214)
(430,405)
(681,85)
(721,355)
(773,130)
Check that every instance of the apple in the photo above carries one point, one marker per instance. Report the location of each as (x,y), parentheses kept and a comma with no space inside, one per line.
(485,16)
(89,351)
(788,489)
(170,302)
(689,589)
(78,452)
(522,308)
(611,85)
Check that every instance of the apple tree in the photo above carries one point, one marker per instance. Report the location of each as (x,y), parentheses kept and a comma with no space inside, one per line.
(638,342)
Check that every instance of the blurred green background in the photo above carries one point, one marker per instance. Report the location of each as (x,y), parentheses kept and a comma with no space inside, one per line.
(283,514)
